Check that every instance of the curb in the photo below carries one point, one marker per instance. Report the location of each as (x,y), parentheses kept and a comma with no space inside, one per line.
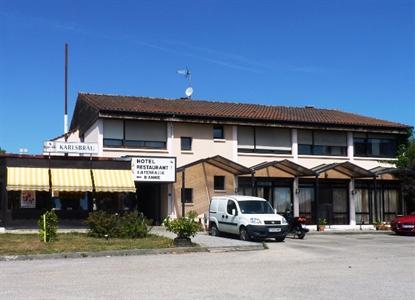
(350,232)
(133,252)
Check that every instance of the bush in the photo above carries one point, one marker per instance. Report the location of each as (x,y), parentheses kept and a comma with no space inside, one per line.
(105,225)
(48,231)
(102,224)
(183,227)
(134,225)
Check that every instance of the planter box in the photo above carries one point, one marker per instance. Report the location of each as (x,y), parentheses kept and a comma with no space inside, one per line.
(183,242)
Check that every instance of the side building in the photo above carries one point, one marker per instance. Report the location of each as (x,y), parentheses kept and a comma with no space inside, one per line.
(319,163)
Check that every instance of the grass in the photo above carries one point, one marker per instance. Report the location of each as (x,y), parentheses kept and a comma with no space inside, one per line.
(15,244)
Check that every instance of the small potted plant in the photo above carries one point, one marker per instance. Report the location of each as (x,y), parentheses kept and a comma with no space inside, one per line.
(377,224)
(184,227)
(322,224)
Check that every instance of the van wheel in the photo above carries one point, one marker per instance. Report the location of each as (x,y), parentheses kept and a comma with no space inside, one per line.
(243,234)
(280,239)
(214,230)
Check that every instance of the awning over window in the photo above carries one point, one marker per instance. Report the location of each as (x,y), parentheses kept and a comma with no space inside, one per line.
(27,179)
(347,168)
(71,180)
(113,181)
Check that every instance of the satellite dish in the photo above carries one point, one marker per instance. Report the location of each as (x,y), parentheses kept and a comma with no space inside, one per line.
(189,91)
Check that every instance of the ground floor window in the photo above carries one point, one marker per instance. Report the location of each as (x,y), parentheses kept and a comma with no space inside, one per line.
(361,203)
(282,199)
(390,204)
(306,203)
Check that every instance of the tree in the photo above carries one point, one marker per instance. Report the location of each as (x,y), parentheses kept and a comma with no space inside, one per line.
(406,163)
(2,151)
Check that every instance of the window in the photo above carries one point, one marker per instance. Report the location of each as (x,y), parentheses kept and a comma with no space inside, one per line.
(306,203)
(362,199)
(374,145)
(327,143)
(113,133)
(264,140)
(219,183)
(186,143)
(231,205)
(188,195)
(218,132)
(135,134)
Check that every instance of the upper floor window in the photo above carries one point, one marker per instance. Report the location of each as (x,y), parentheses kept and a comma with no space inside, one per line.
(186,143)
(219,183)
(135,134)
(326,143)
(374,145)
(218,132)
(264,140)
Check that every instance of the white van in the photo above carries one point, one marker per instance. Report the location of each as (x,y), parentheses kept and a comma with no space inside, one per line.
(249,217)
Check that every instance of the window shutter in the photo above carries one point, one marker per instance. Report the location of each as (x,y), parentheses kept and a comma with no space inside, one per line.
(330,138)
(273,138)
(245,137)
(113,129)
(145,131)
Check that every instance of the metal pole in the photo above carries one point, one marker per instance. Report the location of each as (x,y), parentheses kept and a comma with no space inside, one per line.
(254,191)
(44,227)
(316,192)
(183,192)
(65,120)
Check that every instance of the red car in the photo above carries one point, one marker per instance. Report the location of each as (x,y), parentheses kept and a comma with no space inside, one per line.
(404,224)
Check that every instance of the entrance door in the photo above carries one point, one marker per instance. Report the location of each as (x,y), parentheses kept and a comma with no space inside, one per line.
(149,201)
(282,199)
(333,205)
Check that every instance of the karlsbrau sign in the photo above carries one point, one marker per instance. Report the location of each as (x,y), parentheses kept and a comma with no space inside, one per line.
(66,147)
(154,169)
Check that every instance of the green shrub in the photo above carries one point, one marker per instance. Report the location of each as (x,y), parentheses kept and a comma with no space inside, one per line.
(183,227)
(129,225)
(134,225)
(102,224)
(48,231)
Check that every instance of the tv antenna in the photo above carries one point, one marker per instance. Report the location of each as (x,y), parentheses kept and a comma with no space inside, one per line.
(186,72)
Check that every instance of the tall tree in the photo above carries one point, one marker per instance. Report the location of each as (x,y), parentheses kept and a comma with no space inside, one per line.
(406,162)
(2,151)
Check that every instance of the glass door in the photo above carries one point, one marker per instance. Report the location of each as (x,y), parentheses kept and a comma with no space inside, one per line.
(282,199)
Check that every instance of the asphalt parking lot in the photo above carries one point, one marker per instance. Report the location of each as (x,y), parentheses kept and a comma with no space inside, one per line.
(355,266)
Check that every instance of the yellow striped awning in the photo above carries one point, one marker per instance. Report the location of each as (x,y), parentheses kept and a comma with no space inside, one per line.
(27,179)
(113,181)
(71,180)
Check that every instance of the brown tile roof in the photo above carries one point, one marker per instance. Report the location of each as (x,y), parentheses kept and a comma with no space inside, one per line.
(228,110)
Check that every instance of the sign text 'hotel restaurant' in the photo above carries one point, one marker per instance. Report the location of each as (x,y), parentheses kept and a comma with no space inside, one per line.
(154,169)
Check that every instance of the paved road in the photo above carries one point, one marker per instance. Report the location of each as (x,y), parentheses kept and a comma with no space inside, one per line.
(364,266)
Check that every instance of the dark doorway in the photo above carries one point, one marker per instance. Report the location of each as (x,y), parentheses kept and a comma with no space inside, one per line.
(333,204)
(149,201)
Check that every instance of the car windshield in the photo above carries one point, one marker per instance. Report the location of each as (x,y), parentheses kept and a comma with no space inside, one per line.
(255,207)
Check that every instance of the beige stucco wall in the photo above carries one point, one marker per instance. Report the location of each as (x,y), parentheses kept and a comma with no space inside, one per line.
(203,145)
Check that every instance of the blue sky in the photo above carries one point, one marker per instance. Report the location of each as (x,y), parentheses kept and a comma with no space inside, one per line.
(355,55)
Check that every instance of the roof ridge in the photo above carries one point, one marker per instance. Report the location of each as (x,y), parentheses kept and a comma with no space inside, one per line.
(201,100)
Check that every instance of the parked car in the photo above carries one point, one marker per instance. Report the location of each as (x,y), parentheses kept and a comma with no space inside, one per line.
(404,224)
(249,217)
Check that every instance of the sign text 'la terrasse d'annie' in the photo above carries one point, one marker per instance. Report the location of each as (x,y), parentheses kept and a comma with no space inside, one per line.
(160,169)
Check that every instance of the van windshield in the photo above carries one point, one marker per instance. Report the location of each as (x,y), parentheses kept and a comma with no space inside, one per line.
(255,207)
